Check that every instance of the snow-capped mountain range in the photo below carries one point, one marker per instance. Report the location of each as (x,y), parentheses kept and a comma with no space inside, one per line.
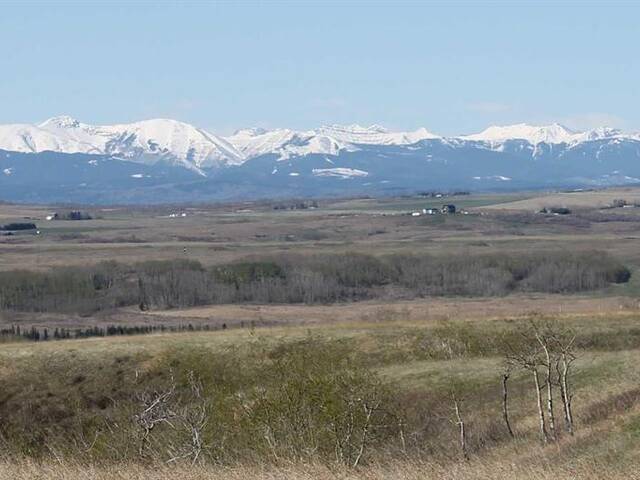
(146,142)
(161,139)
(143,161)
(155,140)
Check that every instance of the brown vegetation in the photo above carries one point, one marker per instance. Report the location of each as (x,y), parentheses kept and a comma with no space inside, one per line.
(302,279)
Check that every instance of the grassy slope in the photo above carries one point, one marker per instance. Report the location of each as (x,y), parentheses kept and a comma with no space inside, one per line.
(608,417)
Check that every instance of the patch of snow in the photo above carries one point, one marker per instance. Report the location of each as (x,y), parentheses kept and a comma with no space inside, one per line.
(345,173)
(499,178)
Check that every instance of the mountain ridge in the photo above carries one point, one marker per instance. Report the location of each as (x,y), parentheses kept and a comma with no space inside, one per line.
(165,160)
(199,149)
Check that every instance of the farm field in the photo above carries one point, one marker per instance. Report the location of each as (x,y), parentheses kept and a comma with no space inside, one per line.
(222,233)
(288,372)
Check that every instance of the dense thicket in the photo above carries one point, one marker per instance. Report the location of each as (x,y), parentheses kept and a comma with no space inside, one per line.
(303,279)
(305,400)
(9,227)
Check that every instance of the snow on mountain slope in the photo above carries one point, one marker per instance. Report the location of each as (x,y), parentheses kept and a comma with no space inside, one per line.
(33,139)
(552,134)
(179,144)
(285,143)
(328,140)
(340,172)
(374,135)
(146,142)
(253,142)
(187,143)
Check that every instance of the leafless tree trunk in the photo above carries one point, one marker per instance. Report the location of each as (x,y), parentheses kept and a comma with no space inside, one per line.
(461,426)
(369,411)
(543,340)
(549,382)
(563,379)
(505,403)
(401,433)
(543,423)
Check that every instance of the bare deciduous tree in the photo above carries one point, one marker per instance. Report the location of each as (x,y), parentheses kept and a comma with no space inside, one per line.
(461,427)
(547,346)
(505,402)
(369,410)
(155,409)
(192,420)
(544,337)
(188,420)
(564,361)
(527,357)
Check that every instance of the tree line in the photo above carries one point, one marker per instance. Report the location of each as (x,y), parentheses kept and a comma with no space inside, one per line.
(312,279)
(41,334)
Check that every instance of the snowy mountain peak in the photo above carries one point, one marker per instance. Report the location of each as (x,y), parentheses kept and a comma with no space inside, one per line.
(285,143)
(148,141)
(62,121)
(554,134)
(250,132)
(600,133)
(354,128)
(374,135)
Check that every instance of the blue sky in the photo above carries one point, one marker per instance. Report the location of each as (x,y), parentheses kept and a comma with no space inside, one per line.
(453,68)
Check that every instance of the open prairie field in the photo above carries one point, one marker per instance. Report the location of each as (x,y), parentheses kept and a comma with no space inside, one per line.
(333,339)
(574,199)
(223,233)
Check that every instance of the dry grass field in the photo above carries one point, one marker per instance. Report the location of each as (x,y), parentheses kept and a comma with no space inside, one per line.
(66,406)
(223,233)
(576,199)
(401,470)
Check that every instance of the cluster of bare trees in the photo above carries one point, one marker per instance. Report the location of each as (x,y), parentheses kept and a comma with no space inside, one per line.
(309,402)
(547,352)
(301,279)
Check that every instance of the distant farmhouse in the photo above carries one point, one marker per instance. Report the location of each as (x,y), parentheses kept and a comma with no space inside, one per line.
(72,215)
(448,209)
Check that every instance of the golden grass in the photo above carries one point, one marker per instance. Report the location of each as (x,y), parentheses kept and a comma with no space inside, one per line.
(413,311)
(590,199)
(401,470)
